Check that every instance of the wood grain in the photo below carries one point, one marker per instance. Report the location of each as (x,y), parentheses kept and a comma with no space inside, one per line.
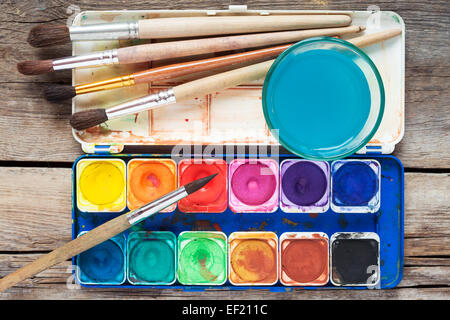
(426,142)
(52,284)
(72,248)
(194,47)
(35,130)
(43,223)
(203,26)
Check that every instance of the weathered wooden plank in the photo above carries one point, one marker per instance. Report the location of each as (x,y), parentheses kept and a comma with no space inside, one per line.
(427,71)
(427,201)
(32,128)
(53,284)
(58,292)
(43,221)
(36,208)
(417,247)
(426,261)
(423,275)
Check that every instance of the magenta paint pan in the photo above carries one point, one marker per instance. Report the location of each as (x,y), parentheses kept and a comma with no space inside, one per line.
(305,186)
(253,185)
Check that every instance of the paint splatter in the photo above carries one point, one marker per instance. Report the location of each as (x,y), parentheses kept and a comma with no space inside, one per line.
(289,222)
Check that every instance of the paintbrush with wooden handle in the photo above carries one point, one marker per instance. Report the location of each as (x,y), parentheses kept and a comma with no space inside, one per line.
(56,92)
(89,118)
(101,233)
(180,27)
(174,49)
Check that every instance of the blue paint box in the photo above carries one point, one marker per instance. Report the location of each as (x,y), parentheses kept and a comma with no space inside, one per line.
(386,222)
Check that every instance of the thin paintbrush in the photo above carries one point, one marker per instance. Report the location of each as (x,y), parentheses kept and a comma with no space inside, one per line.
(101,233)
(89,118)
(180,27)
(174,49)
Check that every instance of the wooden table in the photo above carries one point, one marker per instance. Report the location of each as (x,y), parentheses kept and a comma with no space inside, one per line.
(37,150)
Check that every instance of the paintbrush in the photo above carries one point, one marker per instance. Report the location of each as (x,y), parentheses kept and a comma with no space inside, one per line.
(101,233)
(56,92)
(181,27)
(89,118)
(174,49)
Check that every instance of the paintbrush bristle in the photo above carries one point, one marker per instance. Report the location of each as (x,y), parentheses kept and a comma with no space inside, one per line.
(58,92)
(48,34)
(89,118)
(198,184)
(35,67)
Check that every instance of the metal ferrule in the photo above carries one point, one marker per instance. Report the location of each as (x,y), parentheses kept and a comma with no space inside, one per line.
(156,206)
(105,31)
(118,82)
(87,60)
(152,101)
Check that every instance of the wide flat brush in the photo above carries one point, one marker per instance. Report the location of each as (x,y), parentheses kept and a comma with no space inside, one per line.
(89,118)
(175,49)
(50,34)
(101,233)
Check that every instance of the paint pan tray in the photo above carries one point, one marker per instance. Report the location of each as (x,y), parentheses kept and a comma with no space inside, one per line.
(211,119)
(387,222)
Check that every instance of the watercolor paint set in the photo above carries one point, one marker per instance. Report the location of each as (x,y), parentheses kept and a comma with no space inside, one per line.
(325,85)
(273,222)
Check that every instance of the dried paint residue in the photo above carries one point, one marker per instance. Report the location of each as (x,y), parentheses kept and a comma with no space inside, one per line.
(304,261)
(202,260)
(102,264)
(212,197)
(253,186)
(151,261)
(304,183)
(354,260)
(253,261)
(354,184)
(101,185)
(149,179)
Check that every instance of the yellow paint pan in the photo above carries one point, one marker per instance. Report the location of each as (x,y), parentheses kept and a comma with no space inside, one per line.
(101,185)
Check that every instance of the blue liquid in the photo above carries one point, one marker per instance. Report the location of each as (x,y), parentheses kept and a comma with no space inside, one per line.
(319,100)
(104,263)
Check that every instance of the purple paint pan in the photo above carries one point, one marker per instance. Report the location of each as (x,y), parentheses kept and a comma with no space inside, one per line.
(304,186)
(253,185)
